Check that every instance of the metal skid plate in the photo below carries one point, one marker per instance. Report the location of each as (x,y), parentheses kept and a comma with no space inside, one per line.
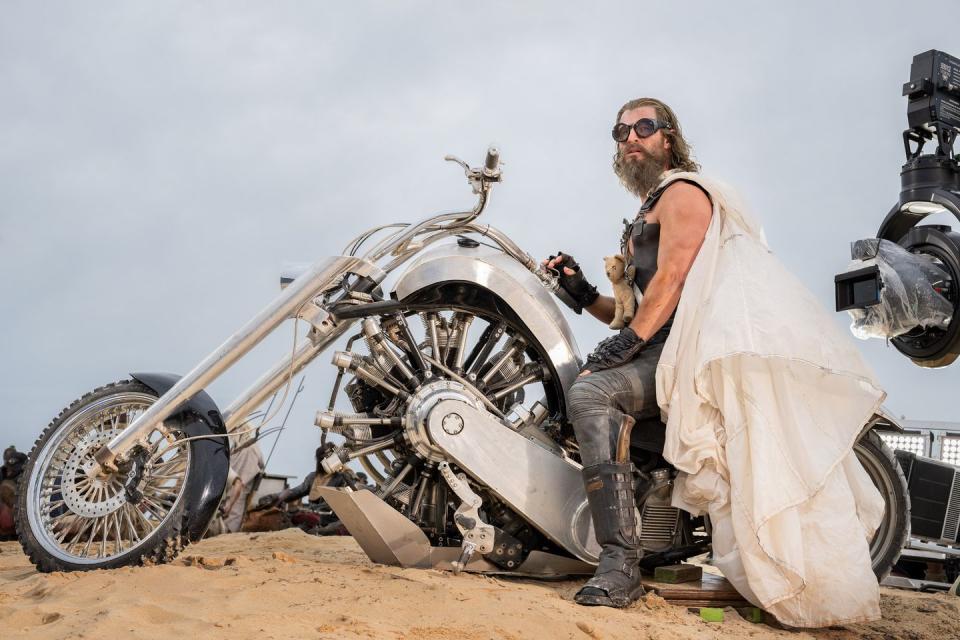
(389,538)
(383,533)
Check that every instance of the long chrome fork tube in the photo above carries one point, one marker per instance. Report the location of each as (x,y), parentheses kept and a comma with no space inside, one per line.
(277,376)
(303,289)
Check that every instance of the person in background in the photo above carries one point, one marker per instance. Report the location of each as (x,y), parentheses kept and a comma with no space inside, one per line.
(306,489)
(246,467)
(10,471)
(363,482)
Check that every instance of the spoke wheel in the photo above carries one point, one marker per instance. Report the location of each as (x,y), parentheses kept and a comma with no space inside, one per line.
(71,518)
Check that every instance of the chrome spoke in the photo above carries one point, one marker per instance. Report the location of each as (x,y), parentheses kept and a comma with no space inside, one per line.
(147,525)
(51,506)
(159,508)
(130,526)
(116,530)
(80,531)
(88,491)
(159,490)
(153,508)
(174,446)
(93,532)
(103,537)
(62,534)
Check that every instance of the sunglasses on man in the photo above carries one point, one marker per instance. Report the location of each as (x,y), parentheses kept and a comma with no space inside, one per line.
(644,128)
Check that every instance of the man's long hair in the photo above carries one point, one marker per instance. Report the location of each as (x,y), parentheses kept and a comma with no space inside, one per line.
(680,151)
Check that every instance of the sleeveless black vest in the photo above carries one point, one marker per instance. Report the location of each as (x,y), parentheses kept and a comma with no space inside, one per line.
(644,238)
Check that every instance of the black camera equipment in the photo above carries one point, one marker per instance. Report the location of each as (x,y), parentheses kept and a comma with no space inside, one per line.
(930,183)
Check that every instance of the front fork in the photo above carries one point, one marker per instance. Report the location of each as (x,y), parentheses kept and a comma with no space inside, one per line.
(291,302)
(296,301)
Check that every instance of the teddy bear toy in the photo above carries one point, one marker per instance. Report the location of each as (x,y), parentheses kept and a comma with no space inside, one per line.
(615,267)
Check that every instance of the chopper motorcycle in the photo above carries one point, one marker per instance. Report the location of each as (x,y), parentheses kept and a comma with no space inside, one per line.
(458,416)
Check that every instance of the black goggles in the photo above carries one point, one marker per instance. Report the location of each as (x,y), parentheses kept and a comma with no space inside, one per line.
(644,128)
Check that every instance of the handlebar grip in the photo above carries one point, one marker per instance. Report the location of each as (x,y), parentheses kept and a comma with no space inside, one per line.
(493,160)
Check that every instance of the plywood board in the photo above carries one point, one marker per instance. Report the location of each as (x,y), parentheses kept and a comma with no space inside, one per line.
(710,590)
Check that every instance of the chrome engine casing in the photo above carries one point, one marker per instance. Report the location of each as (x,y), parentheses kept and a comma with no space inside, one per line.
(419,407)
(544,488)
(513,283)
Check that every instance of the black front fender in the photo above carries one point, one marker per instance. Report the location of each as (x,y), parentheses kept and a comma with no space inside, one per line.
(209,457)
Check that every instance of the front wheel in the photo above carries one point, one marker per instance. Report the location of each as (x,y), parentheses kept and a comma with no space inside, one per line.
(69,518)
(885,472)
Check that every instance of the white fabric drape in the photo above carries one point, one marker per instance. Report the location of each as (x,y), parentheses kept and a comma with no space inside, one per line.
(764,398)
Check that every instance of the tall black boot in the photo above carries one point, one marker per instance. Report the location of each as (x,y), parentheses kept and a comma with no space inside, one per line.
(617,581)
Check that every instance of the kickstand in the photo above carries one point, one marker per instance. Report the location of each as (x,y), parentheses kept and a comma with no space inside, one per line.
(467,552)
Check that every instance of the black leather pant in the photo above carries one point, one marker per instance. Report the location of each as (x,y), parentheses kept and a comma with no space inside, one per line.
(598,401)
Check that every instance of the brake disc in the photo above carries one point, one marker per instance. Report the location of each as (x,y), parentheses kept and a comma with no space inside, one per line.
(88,495)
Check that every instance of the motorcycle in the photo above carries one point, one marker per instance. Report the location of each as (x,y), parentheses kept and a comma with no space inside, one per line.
(459,419)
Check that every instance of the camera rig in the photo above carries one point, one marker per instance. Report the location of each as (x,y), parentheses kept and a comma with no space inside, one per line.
(898,298)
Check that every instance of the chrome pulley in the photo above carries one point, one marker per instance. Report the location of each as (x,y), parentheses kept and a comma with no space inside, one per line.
(419,407)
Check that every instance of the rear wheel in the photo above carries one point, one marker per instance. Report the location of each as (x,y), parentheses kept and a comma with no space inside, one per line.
(882,467)
(70,518)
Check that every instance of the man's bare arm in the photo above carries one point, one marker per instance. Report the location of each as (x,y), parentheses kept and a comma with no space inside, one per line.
(684,214)
(603,309)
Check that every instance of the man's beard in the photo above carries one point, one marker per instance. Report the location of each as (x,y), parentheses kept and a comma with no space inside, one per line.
(639,173)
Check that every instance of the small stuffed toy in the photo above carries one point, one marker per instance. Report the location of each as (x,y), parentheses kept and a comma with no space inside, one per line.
(615,266)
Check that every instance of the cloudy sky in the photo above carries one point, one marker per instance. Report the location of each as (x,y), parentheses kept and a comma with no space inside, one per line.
(160,161)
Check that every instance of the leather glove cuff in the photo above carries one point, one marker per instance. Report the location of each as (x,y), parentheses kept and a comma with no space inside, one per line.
(575,291)
(615,351)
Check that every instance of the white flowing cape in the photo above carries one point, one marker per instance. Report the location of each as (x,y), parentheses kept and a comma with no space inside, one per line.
(764,398)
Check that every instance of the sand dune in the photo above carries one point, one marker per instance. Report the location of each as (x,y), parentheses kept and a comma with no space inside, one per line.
(290,585)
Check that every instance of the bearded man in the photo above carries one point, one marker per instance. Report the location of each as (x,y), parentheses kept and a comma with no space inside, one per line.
(763,396)
(618,381)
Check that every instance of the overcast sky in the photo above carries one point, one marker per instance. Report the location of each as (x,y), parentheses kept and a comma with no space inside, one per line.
(160,161)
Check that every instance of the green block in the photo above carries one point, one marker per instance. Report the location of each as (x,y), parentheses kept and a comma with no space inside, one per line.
(751,614)
(678,573)
(708,614)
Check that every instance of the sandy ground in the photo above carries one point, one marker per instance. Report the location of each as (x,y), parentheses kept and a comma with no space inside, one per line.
(287,584)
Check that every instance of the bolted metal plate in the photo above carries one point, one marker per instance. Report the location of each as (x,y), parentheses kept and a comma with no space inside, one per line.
(543,487)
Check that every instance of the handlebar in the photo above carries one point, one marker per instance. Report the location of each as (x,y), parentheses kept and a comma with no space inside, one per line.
(492,162)
(481,179)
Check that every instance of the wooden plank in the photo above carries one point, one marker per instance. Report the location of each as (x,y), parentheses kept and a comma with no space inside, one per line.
(710,590)
(695,604)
